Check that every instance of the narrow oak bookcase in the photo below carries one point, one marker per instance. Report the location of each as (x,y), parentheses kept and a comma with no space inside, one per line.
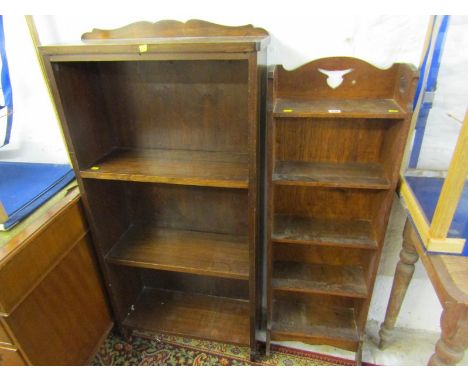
(163,123)
(336,132)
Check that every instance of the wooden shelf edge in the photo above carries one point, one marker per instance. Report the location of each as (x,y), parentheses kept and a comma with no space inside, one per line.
(175,268)
(167,166)
(328,184)
(399,116)
(324,243)
(342,343)
(89,174)
(380,108)
(317,291)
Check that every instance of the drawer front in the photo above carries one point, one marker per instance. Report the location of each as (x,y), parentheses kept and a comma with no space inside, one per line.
(37,256)
(4,337)
(11,357)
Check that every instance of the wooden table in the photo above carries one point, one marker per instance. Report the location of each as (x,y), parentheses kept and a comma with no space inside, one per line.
(437,232)
(447,273)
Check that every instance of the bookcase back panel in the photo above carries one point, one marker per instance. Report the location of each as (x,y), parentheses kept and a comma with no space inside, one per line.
(184,282)
(192,105)
(326,203)
(188,105)
(206,209)
(314,254)
(322,301)
(322,140)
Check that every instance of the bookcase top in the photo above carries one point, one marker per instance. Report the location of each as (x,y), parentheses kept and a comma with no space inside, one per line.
(166,36)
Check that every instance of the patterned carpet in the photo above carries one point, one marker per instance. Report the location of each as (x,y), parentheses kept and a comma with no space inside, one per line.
(145,349)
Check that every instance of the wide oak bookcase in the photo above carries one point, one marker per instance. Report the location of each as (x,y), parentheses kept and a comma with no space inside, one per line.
(336,133)
(163,125)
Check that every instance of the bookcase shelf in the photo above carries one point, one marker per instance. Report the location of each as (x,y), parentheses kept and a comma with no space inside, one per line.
(185,167)
(183,314)
(201,253)
(333,155)
(334,232)
(300,320)
(345,175)
(162,122)
(339,108)
(338,280)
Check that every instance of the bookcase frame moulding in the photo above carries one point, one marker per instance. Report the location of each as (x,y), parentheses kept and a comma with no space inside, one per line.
(163,122)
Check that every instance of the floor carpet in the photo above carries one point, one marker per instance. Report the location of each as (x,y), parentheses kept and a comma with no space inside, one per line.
(145,349)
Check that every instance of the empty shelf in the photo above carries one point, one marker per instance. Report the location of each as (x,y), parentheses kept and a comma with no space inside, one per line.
(339,280)
(196,168)
(192,315)
(349,175)
(201,253)
(339,108)
(307,230)
(314,323)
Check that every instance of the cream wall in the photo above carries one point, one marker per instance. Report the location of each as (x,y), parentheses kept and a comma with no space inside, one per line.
(296,37)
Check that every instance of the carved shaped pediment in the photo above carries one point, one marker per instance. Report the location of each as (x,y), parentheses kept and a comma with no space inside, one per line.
(173,28)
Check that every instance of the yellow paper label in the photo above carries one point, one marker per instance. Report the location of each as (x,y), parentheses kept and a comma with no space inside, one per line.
(392,111)
(143,48)
(95,168)
(287,110)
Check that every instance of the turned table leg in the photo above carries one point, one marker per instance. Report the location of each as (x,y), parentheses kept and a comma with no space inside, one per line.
(403,274)
(453,341)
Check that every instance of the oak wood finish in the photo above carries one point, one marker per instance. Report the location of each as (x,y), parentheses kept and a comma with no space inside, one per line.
(194,252)
(337,232)
(449,277)
(11,357)
(70,313)
(54,310)
(340,108)
(173,28)
(184,313)
(336,133)
(197,168)
(37,254)
(230,288)
(298,319)
(5,338)
(316,174)
(335,280)
(163,124)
